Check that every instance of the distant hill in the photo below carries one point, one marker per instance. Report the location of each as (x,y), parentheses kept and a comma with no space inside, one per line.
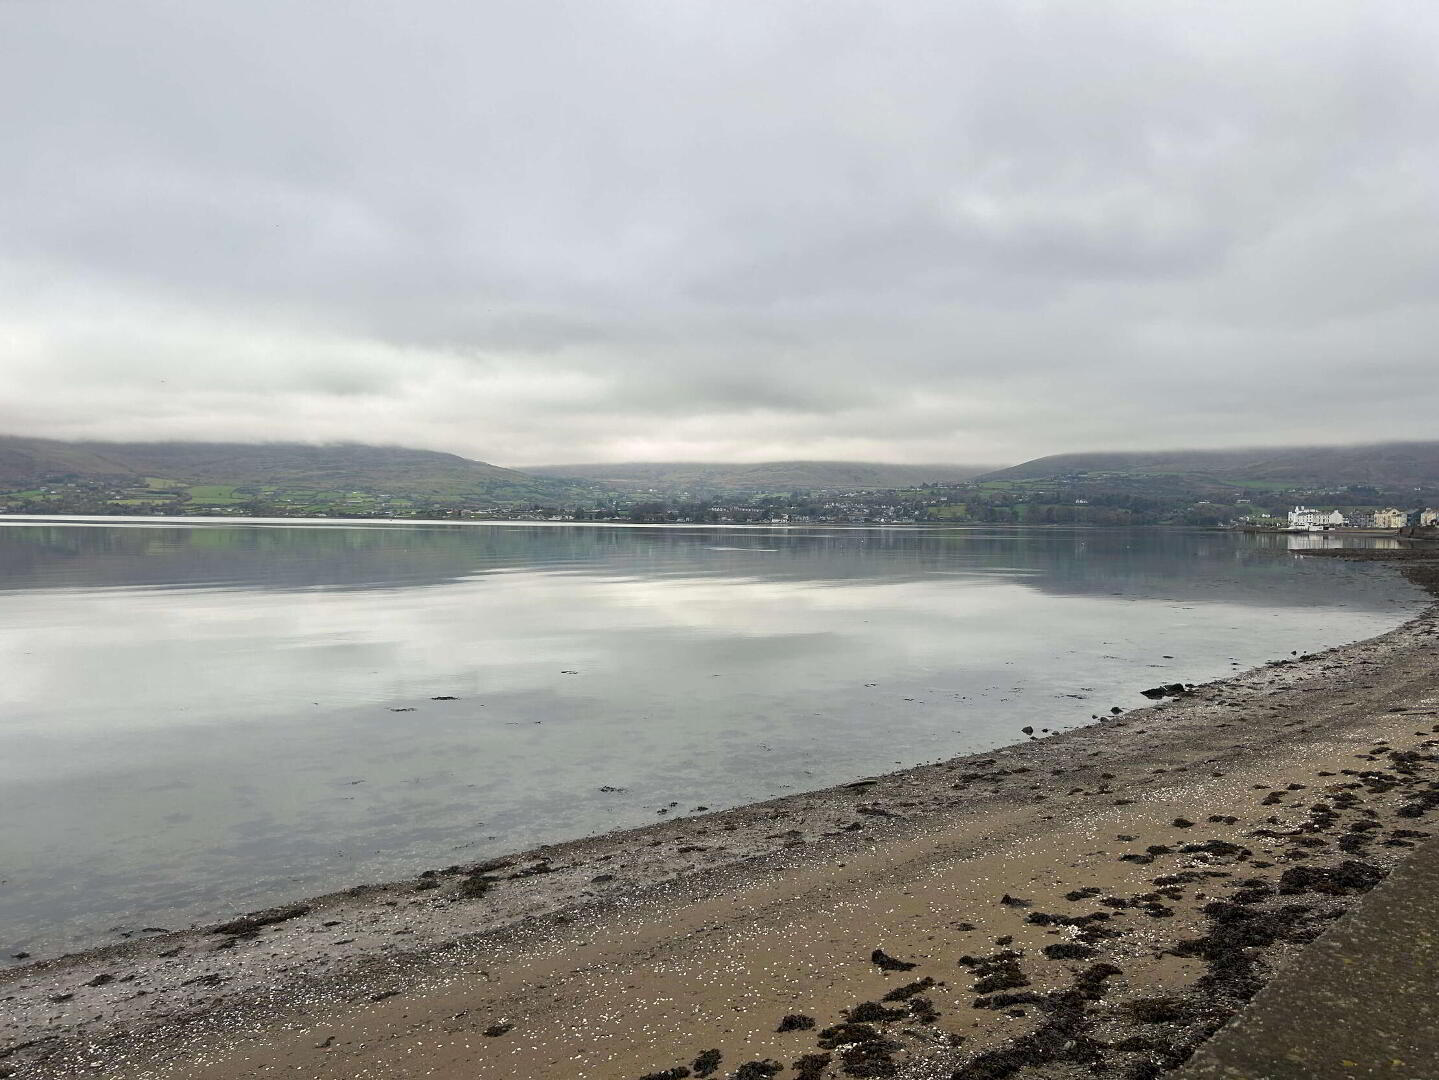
(1388,465)
(777,476)
(342,467)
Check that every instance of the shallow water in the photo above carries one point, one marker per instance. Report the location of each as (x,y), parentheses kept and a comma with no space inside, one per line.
(203,717)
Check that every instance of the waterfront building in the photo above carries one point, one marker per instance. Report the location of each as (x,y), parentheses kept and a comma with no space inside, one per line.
(1429,516)
(1305,517)
(1391,518)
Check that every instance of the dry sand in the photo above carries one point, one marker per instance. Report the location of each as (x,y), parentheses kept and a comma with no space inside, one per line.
(1096,902)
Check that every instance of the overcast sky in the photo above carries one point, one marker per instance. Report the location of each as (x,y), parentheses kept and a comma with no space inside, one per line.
(608,230)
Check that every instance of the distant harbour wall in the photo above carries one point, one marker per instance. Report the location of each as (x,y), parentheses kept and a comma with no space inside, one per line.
(1339,530)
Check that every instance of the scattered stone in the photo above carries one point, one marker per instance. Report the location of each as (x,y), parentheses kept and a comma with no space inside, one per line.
(1154,693)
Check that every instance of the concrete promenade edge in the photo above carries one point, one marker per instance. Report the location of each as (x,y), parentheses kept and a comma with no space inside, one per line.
(1361,1001)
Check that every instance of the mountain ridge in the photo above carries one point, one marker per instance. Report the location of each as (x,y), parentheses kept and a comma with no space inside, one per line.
(721,476)
(1404,463)
(389,470)
(217,473)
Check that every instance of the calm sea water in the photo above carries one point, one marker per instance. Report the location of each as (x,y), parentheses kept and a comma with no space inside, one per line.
(200,718)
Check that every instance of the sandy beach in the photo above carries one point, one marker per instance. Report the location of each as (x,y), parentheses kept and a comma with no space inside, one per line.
(1094,902)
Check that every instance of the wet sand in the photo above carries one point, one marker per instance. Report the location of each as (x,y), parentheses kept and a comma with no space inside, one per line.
(1096,901)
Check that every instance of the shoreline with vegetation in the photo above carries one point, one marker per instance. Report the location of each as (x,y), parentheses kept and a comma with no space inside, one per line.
(1108,895)
(1185,488)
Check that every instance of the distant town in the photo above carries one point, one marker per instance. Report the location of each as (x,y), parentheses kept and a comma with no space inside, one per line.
(1090,500)
(1387,488)
(1311,519)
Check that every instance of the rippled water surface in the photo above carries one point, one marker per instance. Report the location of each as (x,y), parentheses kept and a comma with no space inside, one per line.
(204,717)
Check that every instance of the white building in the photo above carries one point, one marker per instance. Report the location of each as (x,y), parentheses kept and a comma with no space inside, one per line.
(1304,517)
(1391,518)
(1429,517)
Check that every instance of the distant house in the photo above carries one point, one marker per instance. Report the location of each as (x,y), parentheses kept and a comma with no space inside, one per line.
(1391,518)
(1305,517)
(1429,516)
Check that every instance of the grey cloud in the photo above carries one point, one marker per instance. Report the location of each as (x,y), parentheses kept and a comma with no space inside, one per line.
(577,230)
